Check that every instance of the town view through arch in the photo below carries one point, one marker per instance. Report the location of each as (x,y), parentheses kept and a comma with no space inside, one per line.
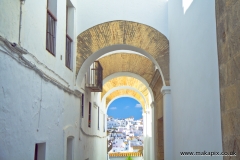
(125,126)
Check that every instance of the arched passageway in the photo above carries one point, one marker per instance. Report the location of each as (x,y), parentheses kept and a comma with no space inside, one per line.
(54,104)
(119,35)
(140,75)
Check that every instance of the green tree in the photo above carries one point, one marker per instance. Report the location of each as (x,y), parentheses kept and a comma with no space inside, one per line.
(129,158)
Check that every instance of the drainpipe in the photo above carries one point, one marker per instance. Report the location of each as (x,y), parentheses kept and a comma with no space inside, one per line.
(20,22)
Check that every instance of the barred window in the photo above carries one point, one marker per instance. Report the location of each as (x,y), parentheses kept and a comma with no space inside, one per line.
(68,52)
(51,27)
(89,114)
(69,34)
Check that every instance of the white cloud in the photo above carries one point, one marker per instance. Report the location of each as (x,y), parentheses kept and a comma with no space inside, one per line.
(113,108)
(126,107)
(138,105)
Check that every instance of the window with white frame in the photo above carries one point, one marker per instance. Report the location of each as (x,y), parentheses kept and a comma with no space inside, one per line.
(69,34)
(51,26)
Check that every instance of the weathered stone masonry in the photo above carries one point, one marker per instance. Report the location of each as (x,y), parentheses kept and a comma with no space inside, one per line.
(228,39)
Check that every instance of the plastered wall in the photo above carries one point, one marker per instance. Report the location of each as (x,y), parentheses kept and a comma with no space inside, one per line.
(33,34)
(33,110)
(36,111)
(151,12)
(194,78)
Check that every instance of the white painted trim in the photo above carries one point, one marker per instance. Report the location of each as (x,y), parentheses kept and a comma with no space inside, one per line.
(121,51)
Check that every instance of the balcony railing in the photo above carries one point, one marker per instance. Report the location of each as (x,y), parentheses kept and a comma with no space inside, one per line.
(94,77)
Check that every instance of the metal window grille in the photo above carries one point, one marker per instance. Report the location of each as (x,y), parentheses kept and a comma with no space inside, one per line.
(51,33)
(68,52)
(89,115)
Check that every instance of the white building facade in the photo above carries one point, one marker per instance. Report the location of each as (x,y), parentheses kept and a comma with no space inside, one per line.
(46,110)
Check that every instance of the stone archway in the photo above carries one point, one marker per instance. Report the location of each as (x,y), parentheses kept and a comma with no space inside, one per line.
(125,81)
(116,35)
(129,75)
(123,92)
(125,35)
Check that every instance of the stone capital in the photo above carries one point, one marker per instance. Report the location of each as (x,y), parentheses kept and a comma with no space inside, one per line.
(147,111)
(166,90)
(152,104)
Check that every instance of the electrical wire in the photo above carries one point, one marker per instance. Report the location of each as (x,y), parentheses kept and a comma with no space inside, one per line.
(11,48)
(17,52)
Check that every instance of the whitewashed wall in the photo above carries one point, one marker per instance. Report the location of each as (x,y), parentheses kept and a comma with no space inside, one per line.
(194,78)
(193,71)
(22,90)
(149,12)
(33,33)
(24,123)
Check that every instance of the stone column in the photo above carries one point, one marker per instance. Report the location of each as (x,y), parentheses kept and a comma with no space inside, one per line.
(148,122)
(144,136)
(167,123)
(144,125)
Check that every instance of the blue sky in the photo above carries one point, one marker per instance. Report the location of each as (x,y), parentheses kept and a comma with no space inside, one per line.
(125,107)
